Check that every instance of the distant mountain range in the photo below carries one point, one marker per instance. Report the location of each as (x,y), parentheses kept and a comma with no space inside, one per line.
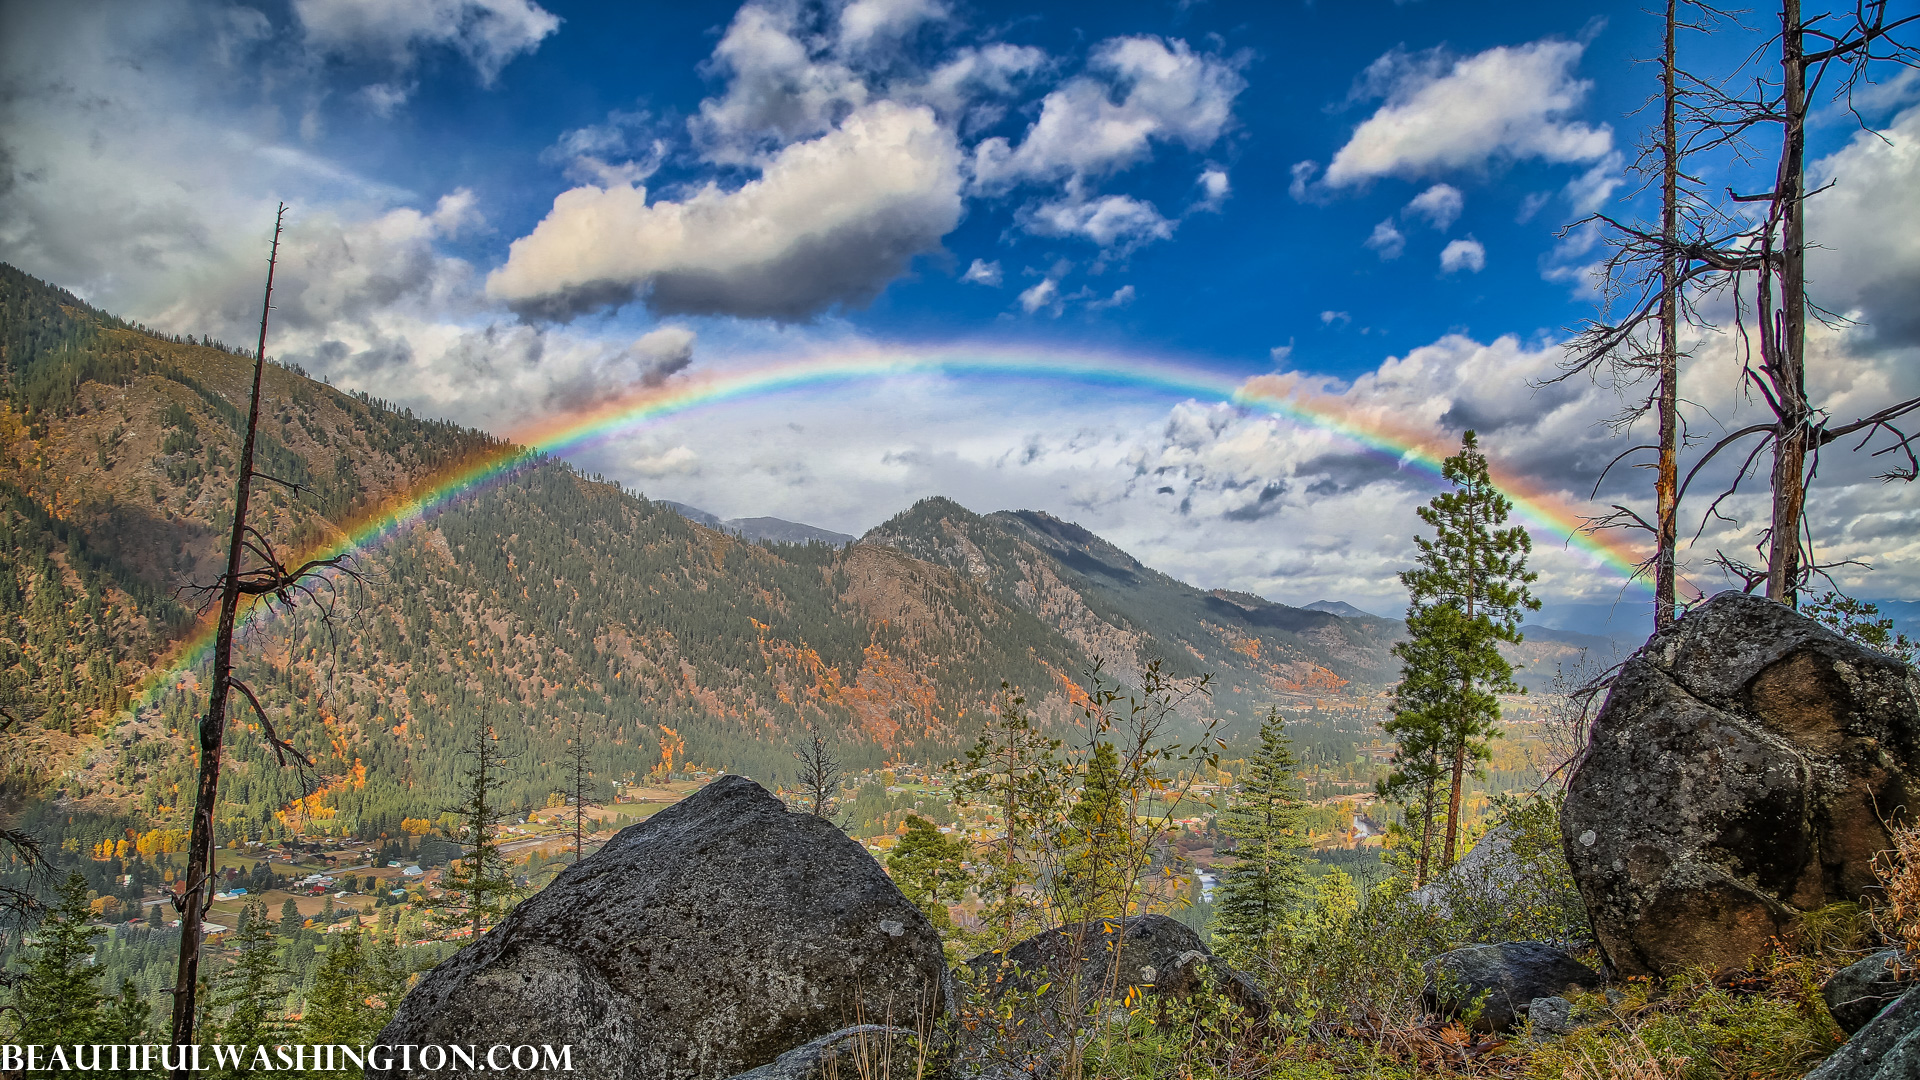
(1340,608)
(757,529)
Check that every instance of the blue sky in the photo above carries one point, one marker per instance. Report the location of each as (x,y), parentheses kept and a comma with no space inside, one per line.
(504,209)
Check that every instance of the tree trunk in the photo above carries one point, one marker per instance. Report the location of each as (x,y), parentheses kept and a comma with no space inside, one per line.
(194,895)
(1789,331)
(1667,484)
(1426,830)
(1453,803)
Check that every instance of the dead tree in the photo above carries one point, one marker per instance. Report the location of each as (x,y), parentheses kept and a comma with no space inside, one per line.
(1648,281)
(19,852)
(820,774)
(579,777)
(1729,252)
(255,572)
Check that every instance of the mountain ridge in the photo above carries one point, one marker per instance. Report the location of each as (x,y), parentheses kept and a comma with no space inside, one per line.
(778,530)
(550,597)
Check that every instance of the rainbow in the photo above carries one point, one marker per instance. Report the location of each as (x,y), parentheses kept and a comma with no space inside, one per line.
(1288,396)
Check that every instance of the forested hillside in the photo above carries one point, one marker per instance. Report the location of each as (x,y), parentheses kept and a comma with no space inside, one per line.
(551,598)
(1113,606)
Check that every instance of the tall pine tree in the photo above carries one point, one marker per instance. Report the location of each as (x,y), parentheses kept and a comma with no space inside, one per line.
(1466,596)
(1264,820)
(480,884)
(253,989)
(59,1001)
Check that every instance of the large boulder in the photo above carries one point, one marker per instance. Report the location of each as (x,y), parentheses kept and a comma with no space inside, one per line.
(1739,773)
(1856,993)
(1504,979)
(1114,958)
(703,942)
(1888,1048)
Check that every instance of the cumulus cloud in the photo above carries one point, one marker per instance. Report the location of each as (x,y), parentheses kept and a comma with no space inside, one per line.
(1439,206)
(1509,101)
(1148,91)
(780,86)
(1111,221)
(488,33)
(829,221)
(1862,262)
(983,272)
(1214,189)
(1387,240)
(1467,254)
(867,23)
(970,87)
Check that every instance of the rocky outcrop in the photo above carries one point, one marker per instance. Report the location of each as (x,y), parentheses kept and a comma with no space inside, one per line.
(1512,974)
(1888,1048)
(1738,773)
(1114,958)
(708,940)
(1856,993)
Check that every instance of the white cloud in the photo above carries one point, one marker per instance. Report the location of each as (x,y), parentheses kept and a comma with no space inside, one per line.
(1111,221)
(780,87)
(970,86)
(1281,354)
(1328,318)
(1301,186)
(983,272)
(620,152)
(829,221)
(1044,296)
(1121,297)
(488,33)
(1591,190)
(1509,101)
(1467,254)
(866,24)
(1387,240)
(1214,188)
(1165,91)
(1867,255)
(1439,206)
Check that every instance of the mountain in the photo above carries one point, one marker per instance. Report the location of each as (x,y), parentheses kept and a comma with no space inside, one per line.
(1340,608)
(1115,608)
(546,603)
(756,529)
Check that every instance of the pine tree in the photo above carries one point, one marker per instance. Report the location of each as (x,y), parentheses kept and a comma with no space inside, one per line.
(59,1002)
(354,994)
(925,865)
(291,921)
(480,880)
(125,1021)
(1424,706)
(1467,595)
(253,988)
(1264,819)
